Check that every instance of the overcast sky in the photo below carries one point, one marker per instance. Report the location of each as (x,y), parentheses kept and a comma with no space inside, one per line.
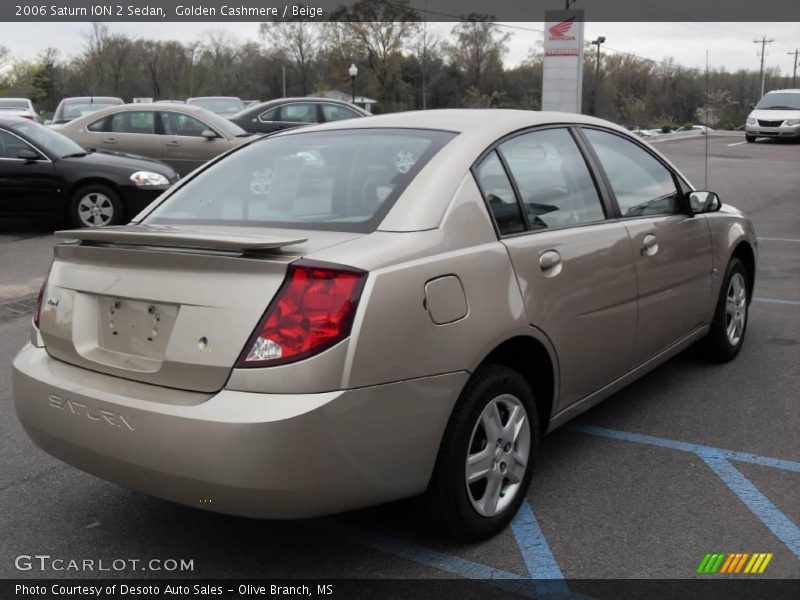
(730,45)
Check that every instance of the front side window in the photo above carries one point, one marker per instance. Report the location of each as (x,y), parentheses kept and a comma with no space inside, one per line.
(298,113)
(643,186)
(499,194)
(342,180)
(99,125)
(553,180)
(133,121)
(176,123)
(334,112)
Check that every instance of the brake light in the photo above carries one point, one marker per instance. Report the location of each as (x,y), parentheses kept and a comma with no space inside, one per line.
(312,311)
(39,299)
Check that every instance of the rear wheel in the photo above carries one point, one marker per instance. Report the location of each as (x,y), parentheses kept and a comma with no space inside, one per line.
(750,138)
(726,335)
(96,205)
(485,462)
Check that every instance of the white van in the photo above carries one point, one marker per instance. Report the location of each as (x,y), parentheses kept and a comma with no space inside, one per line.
(777,114)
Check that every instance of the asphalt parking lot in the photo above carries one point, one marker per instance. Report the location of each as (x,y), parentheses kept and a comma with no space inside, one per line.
(694,458)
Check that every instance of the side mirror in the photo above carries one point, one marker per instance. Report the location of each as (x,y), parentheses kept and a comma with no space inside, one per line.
(29,155)
(703,202)
(209,134)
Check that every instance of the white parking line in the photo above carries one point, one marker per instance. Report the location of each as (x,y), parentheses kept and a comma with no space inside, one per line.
(737,144)
(778,240)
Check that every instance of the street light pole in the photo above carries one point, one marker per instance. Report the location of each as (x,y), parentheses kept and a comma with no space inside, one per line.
(596,103)
(794,72)
(353,71)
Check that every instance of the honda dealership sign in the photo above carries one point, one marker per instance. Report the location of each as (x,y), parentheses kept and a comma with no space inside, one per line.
(563,60)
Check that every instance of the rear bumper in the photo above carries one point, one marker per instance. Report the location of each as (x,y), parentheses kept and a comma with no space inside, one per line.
(258,455)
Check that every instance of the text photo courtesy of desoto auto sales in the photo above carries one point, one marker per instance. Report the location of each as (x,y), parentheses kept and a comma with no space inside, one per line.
(400,299)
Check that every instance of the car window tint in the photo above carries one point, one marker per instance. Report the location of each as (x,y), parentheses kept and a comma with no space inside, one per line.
(340,180)
(181,124)
(133,121)
(643,186)
(499,195)
(10,145)
(334,112)
(553,180)
(298,113)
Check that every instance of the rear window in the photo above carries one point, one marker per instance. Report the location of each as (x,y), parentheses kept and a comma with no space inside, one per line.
(343,180)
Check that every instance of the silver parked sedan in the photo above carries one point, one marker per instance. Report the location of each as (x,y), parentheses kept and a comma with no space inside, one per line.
(358,312)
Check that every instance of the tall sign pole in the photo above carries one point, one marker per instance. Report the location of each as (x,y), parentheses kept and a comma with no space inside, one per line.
(562,80)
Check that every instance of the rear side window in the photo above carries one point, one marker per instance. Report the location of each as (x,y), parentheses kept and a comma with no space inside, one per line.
(339,180)
(11,145)
(134,121)
(554,183)
(643,186)
(334,112)
(499,195)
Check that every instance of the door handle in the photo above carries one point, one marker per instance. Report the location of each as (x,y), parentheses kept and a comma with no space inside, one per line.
(173,143)
(550,263)
(649,245)
(109,140)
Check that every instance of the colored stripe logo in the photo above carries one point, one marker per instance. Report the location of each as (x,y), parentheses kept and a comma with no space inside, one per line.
(734,562)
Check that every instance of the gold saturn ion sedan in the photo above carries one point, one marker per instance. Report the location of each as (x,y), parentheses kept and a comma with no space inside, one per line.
(348,314)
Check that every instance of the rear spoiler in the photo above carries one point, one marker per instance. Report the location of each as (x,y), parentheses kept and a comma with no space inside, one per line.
(178,237)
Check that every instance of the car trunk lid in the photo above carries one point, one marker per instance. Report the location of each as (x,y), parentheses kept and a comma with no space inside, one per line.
(171,306)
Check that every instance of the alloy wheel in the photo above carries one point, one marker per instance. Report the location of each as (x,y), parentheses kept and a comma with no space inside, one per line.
(498,454)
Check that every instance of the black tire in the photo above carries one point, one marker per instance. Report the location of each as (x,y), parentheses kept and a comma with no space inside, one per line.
(717,346)
(750,138)
(447,499)
(107,200)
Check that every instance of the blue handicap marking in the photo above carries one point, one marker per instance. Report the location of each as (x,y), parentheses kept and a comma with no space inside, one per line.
(718,459)
(545,579)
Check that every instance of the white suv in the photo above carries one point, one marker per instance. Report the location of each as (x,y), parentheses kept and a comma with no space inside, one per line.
(777,114)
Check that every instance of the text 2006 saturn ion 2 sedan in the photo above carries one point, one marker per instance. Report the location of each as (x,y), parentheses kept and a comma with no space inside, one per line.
(358,312)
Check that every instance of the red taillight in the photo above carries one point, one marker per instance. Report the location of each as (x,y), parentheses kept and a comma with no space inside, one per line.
(312,311)
(29,117)
(39,299)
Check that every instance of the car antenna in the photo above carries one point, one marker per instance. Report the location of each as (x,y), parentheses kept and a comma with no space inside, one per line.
(706,122)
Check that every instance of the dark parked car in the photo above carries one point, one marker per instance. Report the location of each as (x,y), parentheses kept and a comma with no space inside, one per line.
(45,174)
(72,108)
(286,113)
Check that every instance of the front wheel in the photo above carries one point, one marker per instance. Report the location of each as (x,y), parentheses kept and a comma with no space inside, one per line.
(96,205)
(750,138)
(726,335)
(485,462)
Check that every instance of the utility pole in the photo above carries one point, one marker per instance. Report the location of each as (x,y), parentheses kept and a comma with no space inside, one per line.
(763,41)
(794,72)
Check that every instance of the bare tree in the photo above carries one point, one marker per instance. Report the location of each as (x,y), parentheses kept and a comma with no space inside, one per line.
(382,31)
(479,45)
(301,41)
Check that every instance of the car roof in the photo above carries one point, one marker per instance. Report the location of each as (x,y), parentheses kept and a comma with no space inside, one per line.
(7,98)
(789,91)
(214,98)
(90,99)
(478,122)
